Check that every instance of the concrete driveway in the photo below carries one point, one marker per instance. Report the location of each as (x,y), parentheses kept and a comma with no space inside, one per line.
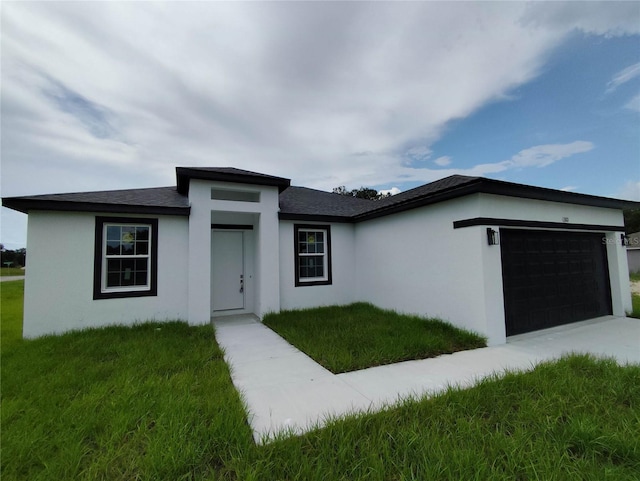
(285,390)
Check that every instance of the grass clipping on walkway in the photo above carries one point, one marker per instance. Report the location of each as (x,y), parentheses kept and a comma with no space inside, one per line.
(360,335)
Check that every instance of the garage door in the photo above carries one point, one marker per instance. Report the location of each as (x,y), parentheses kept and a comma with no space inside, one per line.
(552,278)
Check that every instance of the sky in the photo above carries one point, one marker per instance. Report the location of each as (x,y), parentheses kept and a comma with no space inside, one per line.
(388,95)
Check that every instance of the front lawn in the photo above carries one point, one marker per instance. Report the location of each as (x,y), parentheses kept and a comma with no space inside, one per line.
(357,336)
(155,402)
(635,303)
(150,402)
(11,271)
(11,306)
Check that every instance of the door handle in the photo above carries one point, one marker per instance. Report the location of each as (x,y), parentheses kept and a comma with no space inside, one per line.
(241,283)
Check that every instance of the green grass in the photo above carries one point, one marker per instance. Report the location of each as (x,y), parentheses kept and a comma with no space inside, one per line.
(11,305)
(635,298)
(11,271)
(150,402)
(155,402)
(572,420)
(357,336)
(635,305)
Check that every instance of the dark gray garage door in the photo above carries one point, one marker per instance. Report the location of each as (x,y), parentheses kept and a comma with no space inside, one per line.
(552,278)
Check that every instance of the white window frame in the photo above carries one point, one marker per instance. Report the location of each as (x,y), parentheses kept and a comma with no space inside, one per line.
(106,257)
(101,258)
(326,255)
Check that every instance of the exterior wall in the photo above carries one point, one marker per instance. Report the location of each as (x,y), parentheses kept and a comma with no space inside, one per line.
(618,274)
(527,209)
(498,206)
(264,215)
(416,262)
(413,262)
(59,281)
(633,258)
(342,288)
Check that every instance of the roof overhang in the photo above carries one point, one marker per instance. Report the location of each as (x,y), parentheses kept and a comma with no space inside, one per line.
(315,218)
(185,174)
(25,205)
(497,187)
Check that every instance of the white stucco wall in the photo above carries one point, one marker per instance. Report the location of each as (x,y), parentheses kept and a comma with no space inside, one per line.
(633,258)
(416,262)
(266,286)
(342,288)
(59,281)
(527,209)
(413,261)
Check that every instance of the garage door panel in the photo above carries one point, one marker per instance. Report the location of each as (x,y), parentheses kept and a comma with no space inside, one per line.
(552,278)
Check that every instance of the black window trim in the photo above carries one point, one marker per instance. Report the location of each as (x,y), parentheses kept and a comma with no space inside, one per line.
(301,283)
(98,254)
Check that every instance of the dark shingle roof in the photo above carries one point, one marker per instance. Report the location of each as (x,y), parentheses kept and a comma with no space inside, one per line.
(298,203)
(436,191)
(157,200)
(437,186)
(301,202)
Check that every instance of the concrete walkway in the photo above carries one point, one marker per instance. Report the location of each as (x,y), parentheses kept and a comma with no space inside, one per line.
(11,278)
(284,389)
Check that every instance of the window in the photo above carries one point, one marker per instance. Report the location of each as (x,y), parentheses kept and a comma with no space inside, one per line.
(313,255)
(235,195)
(126,255)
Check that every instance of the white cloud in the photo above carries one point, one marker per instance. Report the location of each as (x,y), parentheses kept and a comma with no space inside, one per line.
(600,18)
(392,191)
(569,188)
(633,104)
(419,153)
(623,76)
(543,155)
(325,93)
(537,156)
(630,191)
(264,86)
(443,161)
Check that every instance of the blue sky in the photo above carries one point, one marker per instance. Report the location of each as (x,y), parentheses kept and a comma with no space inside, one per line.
(572,98)
(115,95)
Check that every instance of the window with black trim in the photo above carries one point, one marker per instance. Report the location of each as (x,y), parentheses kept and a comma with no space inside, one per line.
(126,257)
(313,255)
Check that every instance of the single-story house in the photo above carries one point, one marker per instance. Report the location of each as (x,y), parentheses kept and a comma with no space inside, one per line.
(633,252)
(495,257)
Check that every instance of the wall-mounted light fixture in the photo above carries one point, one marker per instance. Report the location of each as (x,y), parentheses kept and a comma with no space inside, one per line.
(624,240)
(493,238)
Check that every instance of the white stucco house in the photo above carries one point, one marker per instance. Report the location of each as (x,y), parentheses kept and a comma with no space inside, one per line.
(633,252)
(495,257)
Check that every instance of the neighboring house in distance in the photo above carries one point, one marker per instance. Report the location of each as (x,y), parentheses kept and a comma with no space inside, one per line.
(633,252)
(495,257)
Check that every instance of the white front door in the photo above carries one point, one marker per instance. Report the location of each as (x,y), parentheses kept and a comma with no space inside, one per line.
(227,270)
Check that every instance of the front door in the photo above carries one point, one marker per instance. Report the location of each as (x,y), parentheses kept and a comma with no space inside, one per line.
(227,267)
